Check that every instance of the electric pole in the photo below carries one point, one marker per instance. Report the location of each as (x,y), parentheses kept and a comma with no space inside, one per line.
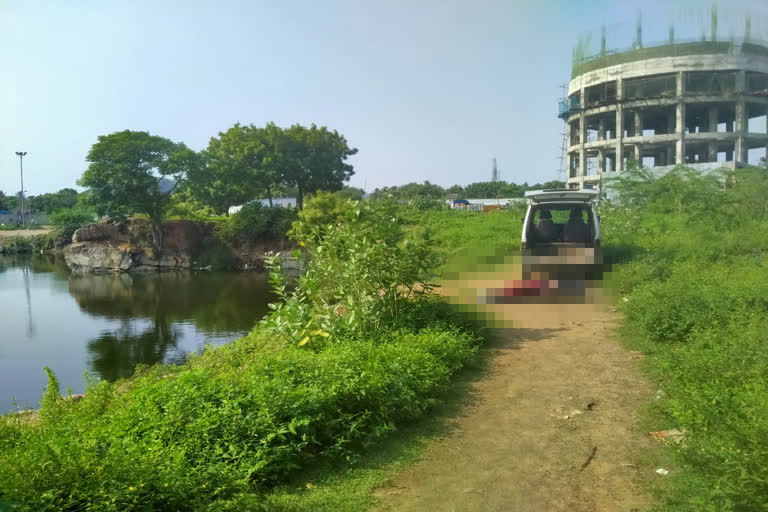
(21,169)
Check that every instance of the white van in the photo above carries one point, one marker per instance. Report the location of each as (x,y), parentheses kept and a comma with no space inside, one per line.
(560,219)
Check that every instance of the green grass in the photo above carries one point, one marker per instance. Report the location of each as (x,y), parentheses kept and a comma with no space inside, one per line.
(315,386)
(466,237)
(16,227)
(695,276)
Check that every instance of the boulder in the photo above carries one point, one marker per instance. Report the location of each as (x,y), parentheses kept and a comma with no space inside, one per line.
(98,231)
(99,257)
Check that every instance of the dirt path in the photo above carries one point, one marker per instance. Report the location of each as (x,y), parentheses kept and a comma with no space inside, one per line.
(25,232)
(551,427)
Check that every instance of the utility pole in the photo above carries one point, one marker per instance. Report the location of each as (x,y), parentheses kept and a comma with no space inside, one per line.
(21,169)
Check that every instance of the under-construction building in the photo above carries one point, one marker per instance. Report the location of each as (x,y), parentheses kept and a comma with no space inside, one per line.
(702,104)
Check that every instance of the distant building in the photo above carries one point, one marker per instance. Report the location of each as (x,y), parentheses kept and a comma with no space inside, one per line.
(285,202)
(702,104)
(479,204)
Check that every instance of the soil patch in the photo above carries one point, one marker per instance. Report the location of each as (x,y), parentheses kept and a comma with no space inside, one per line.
(550,427)
(25,233)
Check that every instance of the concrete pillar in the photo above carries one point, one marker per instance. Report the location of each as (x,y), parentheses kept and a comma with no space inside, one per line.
(638,123)
(741,125)
(680,120)
(636,154)
(619,138)
(582,138)
(619,165)
(741,118)
(601,161)
(712,128)
(601,128)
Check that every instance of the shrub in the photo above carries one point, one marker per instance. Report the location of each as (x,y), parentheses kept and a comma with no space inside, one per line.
(236,420)
(69,220)
(361,276)
(255,222)
(698,276)
(216,428)
(320,212)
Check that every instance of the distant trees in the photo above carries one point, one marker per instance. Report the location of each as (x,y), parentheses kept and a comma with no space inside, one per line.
(312,159)
(46,203)
(247,162)
(52,202)
(126,174)
(238,167)
(482,189)
(410,191)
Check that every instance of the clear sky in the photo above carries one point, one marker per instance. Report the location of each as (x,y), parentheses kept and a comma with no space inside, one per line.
(425,89)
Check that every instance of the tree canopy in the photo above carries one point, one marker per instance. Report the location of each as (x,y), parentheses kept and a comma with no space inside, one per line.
(246,162)
(238,166)
(125,173)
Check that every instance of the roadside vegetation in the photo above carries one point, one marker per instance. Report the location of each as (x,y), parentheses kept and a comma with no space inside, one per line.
(693,282)
(353,351)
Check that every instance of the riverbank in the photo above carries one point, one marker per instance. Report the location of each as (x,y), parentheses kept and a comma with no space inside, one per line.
(326,376)
(32,241)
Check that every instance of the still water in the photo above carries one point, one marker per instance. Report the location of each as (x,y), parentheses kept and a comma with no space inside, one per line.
(107,324)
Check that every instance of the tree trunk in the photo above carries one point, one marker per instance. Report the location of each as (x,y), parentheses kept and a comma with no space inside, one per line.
(269,195)
(300,198)
(157,238)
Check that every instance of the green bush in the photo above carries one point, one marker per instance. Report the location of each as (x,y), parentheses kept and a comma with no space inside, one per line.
(363,273)
(695,279)
(69,220)
(696,298)
(218,428)
(255,222)
(228,425)
(323,210)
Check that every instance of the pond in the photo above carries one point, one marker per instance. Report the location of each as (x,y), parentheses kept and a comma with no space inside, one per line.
(107,324)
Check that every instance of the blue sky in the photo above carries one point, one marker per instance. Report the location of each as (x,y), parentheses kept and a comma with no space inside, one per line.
(426,90)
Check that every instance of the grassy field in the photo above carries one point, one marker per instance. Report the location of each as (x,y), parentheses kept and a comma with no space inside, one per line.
(694,282)
(317,408)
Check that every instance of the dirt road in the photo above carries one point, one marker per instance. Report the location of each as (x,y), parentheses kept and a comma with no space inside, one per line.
(550,427)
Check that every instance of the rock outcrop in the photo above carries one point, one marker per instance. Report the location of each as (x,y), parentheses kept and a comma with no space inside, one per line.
(127,247)
(106,257)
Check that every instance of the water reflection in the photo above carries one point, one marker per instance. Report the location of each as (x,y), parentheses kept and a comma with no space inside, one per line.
(115,354)
(152,309)
(30,324)
(107,324)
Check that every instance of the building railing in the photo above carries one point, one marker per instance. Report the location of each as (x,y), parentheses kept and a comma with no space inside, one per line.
(595,62)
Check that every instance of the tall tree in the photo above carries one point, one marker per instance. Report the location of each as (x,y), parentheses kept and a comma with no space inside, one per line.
(239,166)
(312,159)
(128,174)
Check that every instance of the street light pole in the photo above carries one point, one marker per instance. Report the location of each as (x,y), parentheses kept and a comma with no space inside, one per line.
(21,169)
